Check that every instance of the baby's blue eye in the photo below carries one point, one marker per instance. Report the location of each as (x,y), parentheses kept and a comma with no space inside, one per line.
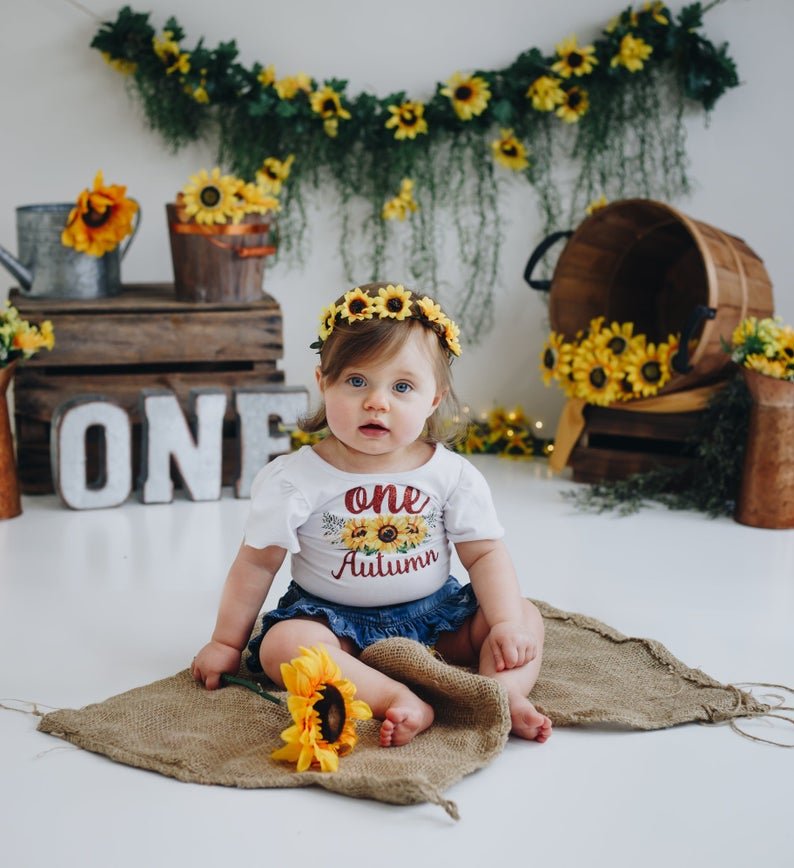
(402,387)
(356,381)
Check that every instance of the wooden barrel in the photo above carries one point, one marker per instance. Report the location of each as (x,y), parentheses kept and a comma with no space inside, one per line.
(219,263)
(644,262)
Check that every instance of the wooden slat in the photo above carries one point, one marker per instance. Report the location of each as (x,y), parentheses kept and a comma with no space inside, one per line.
(597,465)
(37,394)
(651,426)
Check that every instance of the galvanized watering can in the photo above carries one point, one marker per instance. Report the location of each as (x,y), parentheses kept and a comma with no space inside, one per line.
(46,267)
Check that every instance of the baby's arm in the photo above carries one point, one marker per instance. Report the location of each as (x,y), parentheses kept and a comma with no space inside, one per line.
(494,580)
(247,585)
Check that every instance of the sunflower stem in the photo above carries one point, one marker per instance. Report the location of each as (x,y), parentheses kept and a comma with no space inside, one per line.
(250,685)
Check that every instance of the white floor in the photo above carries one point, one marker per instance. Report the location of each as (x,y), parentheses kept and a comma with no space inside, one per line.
(94,603)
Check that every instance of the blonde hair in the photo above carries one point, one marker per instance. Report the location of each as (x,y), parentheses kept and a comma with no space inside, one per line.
(351,342)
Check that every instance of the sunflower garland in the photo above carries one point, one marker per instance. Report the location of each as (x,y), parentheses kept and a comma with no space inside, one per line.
(614,105)
(100,220)
(403,204)
(407,120)
(509,152)
(607,363)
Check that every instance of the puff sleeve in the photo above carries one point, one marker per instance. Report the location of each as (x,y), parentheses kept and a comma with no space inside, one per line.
(277,509)
(469,513)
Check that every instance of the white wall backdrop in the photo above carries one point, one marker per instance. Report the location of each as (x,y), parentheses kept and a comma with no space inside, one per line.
(66,114)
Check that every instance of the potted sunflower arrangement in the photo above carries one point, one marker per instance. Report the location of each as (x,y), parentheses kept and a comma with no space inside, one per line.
(221,229)
(764,351)
(19,340)
(74,250)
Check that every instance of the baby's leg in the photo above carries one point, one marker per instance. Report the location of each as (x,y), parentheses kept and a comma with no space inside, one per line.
(403,713)
(469,645)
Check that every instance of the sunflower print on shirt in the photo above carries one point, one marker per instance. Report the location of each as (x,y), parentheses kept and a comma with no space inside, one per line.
(384,533)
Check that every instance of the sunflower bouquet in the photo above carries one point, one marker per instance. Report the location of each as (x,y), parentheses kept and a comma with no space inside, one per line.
(607,363)
(101,218)
(210,198)
(765,346)
(19,339)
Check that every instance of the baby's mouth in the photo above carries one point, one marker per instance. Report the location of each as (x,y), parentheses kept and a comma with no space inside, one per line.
(373,428)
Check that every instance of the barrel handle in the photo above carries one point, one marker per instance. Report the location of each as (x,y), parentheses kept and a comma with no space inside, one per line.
(538,253)
(680,361)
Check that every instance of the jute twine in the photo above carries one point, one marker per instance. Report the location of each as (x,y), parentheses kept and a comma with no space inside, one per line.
(591,674)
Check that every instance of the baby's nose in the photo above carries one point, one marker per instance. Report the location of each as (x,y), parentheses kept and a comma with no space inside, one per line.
(376,399)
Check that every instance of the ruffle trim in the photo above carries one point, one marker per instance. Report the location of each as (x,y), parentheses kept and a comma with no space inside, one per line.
(425,627)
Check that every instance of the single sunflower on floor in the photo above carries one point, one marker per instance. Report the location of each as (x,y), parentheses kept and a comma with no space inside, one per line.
(323,709)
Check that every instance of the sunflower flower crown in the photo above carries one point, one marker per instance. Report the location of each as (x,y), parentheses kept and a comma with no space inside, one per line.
(392,301)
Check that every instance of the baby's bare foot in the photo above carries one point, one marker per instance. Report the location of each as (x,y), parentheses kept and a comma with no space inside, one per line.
(527,721)
(402,722)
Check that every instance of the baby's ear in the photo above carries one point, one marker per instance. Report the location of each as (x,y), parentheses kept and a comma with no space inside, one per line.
(439,397)
(318,376)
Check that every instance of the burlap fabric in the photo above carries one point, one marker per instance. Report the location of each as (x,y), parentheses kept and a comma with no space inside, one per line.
(591,674)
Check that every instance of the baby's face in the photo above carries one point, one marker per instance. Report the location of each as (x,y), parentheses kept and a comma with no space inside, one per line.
(380,407)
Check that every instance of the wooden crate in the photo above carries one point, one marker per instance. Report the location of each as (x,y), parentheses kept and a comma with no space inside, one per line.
(618,443)
(142,338)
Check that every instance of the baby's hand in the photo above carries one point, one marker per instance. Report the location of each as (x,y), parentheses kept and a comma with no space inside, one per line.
(212,661)
(512,645)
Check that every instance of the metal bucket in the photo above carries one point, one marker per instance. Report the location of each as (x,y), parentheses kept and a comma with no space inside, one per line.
(59,271)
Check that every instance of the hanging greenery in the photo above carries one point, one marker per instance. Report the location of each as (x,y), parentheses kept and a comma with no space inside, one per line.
(396,163)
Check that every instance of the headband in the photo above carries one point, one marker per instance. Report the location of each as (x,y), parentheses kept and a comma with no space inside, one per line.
(391,302)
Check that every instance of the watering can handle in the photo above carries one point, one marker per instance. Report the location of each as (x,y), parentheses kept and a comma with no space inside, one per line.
(136,222)
(538,253)
(680,361)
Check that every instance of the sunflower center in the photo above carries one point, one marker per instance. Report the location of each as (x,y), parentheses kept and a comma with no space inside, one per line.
(463,93)
(408,118)
(574,98)
(617,344)
(509,150)
(651,372)
(94,219)
(388,533)
(357,305)
(210,196)
(331,711)
(575,59)
(549,359)
(359,533)
(598,378)
(395,305)
(329,106)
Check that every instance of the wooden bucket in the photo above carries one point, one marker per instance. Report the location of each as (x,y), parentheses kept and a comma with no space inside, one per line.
(644,262)
(219,263)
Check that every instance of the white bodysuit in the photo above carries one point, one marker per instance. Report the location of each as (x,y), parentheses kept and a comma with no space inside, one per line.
(369,539)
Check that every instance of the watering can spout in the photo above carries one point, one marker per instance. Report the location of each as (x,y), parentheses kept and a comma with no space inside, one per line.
(22,274)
